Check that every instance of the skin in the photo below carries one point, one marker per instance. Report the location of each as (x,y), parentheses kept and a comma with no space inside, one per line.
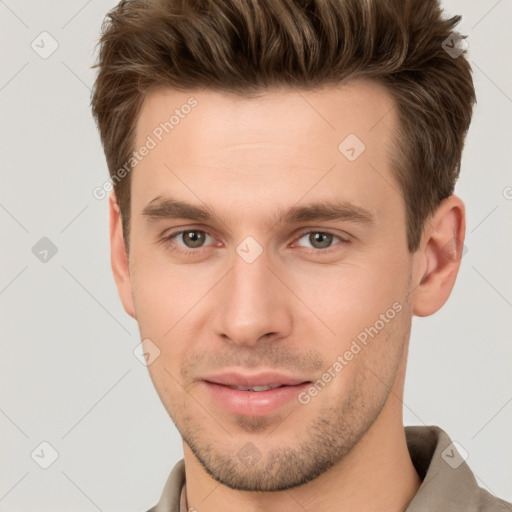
(295,308)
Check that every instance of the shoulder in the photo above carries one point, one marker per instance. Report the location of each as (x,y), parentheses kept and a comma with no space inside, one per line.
(490,503)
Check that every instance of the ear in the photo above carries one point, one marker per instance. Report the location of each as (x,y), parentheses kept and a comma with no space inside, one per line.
(438,259)
(119,258)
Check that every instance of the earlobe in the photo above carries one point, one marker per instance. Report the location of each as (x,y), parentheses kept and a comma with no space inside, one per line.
(440,255)
(119,258)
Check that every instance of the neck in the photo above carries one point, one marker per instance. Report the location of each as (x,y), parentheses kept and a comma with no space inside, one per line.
(377,475)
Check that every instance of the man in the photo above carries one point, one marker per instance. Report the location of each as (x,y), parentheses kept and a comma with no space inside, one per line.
(283,205)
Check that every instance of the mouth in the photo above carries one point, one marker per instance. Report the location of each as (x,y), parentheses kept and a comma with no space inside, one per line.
(257,388)
(254,395)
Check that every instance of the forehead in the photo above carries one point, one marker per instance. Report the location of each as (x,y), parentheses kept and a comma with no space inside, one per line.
(211,119)
(277,145)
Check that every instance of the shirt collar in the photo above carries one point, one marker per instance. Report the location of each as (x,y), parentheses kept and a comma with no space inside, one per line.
(447,481)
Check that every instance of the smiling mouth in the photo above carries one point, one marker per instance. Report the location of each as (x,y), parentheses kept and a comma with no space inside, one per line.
(254,400)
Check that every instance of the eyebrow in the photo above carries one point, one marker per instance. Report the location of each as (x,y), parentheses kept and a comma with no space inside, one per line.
(169,208)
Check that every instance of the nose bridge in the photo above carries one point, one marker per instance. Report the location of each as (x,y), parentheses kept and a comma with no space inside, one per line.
(250,281)
(252,304)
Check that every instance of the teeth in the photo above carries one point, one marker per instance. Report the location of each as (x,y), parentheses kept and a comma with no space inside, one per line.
(255,388)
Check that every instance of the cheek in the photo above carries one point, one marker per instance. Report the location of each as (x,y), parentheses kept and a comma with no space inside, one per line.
(367,357)
(165,381)
(162,292)
(349,296)
(365,310)
(154,305)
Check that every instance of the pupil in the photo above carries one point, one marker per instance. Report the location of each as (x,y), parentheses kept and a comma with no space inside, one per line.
(320,240)
(193,238)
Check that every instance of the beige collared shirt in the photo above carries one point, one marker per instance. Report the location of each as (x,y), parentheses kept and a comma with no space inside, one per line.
(447,482)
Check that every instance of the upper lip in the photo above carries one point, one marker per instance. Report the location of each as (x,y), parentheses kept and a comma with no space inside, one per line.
(259,379)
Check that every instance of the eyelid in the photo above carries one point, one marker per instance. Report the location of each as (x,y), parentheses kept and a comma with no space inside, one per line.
(325,231)
(343,240)
(178,230)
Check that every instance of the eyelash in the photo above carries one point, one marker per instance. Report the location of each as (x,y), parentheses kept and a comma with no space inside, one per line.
(169,238)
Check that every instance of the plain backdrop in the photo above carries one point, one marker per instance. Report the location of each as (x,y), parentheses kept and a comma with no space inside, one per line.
(68,375)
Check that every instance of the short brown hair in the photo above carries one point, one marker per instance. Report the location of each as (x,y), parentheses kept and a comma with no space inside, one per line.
(249,46)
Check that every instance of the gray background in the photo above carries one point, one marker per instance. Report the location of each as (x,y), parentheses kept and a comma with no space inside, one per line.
(67,369)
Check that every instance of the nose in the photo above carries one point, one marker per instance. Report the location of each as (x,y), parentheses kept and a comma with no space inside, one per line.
(254,304)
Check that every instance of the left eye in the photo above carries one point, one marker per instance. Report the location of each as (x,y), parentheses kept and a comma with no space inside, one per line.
(319,239)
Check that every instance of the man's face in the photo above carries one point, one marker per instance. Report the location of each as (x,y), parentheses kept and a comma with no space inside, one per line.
(251,291)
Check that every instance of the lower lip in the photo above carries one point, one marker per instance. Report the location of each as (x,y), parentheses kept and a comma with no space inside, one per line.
(253,403)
